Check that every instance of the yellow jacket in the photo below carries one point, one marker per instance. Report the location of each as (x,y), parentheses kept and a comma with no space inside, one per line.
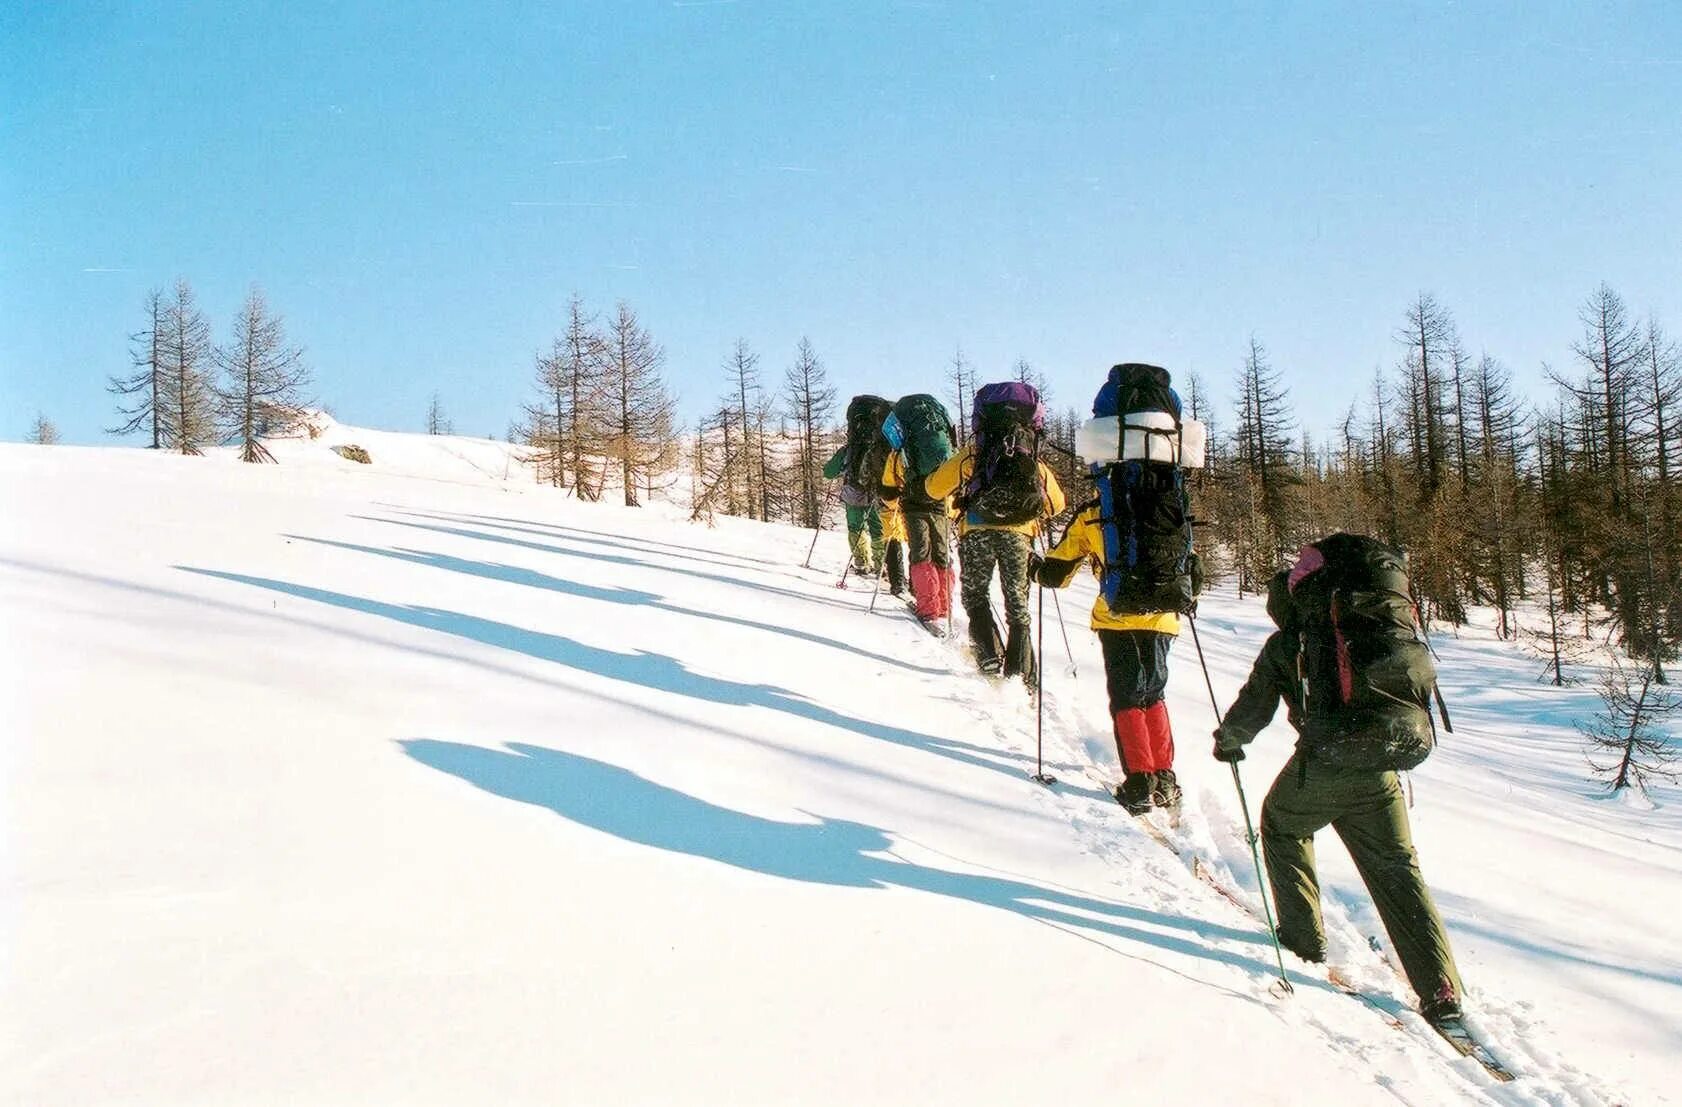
(1084,542)
(893,522)
(894,477)
(951,476)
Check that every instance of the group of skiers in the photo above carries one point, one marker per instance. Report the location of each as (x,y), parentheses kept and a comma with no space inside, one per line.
(1347,658)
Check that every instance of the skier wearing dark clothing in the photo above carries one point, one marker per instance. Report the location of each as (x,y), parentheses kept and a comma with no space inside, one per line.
(1321,786)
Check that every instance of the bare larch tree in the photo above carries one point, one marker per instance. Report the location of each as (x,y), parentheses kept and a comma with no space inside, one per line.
(637,409)
(143,395)
(263,380)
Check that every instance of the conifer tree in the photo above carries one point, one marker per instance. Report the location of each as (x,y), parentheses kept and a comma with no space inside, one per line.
(189,358)
(145,391)
(263,379)
(636,408)
(811,406)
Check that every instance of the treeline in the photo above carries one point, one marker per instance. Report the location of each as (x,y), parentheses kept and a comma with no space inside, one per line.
(1571,501)
(186,392)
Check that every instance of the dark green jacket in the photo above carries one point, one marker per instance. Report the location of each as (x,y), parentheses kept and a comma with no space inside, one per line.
(1369,739)
(836,465)
(1272,678)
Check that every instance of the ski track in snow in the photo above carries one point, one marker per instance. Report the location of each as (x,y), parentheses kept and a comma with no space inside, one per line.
(1219,840)
(753,780)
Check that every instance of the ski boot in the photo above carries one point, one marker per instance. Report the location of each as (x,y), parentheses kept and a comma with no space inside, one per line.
(1134,793)
(1442,1008)
(1165,791)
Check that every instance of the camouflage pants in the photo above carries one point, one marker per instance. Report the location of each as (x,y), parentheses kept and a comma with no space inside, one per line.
(979,552)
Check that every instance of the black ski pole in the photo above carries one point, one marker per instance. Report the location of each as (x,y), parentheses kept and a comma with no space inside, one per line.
(1249,826)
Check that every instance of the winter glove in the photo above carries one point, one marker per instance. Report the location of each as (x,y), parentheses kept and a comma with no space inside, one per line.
(1227,751)
(1035,564)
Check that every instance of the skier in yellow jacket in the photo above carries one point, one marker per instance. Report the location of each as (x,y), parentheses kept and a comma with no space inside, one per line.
(1135,670)
(999,476)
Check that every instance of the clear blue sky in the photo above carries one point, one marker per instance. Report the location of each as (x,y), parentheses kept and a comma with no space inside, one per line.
(419,187)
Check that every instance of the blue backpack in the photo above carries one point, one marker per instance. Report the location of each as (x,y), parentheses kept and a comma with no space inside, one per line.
(1144,509)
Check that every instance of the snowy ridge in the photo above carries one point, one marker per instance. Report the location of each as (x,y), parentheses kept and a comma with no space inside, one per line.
(413,784)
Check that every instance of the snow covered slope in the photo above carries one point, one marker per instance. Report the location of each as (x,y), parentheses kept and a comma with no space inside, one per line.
(409,784)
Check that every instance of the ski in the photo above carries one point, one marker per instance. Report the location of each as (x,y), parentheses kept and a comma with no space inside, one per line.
(1342,983)
(1457,1034)
(1454,1031)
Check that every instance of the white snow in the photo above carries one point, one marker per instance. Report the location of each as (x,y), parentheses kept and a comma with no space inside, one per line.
(419,783)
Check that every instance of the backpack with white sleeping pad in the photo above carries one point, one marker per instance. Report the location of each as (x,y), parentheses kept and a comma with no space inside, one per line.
(1137,447)
(867,451)
(1364,669)
(1004,488)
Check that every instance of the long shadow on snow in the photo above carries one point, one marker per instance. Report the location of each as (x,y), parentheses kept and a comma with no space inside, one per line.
(655,671)
(635,543)
(531,578)
(611,559)
(830,851)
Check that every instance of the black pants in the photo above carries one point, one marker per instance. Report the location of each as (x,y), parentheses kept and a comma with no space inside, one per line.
(896,566)
(1135,666)
(928,536)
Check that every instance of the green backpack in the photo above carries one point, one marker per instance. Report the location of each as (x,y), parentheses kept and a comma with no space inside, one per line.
(922,431)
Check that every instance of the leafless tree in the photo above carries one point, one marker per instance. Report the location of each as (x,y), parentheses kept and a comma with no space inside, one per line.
(962,379)
(437,423)
(637,408)
(1629,739)
(143,396)
(188,357)
(42,432)
(263,380)
(811,402)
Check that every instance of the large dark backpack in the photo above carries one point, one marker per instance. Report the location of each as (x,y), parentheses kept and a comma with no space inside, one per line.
(1366,672)
(925,433)
(1144,508)
(867,451)
(1004,487)
(1144,514)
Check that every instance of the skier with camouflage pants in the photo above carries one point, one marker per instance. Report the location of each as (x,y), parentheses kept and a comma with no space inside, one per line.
(983,548)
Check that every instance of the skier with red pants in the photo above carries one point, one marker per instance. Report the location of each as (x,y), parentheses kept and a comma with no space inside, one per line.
(1137,537)
(1135,649)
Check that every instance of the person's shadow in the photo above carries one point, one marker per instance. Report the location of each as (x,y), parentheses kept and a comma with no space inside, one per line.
(823,851)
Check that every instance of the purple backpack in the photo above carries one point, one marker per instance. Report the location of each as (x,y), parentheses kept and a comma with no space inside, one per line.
(1004,488)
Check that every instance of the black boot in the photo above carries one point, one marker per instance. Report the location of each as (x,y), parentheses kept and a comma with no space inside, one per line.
(1134,793)
(1019,655)
(896,567)
(1165,790)
(984,638)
